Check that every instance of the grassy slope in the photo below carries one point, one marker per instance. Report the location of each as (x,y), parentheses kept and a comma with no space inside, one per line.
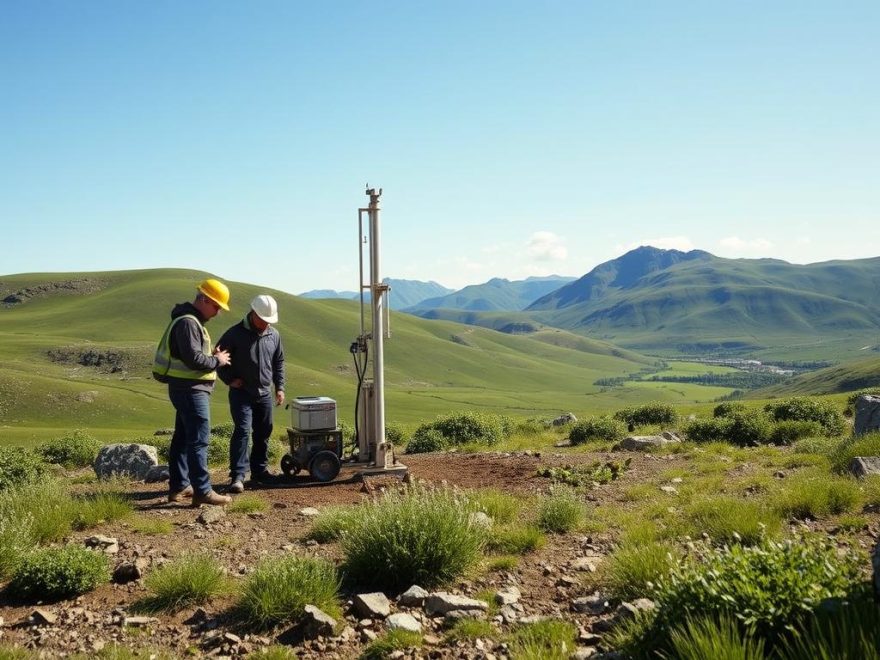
(431,367)
(847,377)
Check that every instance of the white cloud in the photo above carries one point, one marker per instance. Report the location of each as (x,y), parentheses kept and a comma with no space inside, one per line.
(546,246)
(741,245)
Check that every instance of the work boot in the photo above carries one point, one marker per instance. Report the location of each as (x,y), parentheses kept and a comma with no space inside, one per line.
(235,487)
(212,498)
(180,495)
(265,478)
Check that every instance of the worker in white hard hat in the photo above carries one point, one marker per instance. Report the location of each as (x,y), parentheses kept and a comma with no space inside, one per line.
(257,366)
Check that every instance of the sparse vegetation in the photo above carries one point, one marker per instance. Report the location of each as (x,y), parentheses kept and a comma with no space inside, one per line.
(585,475)
(279,589)
(422,536)
(56,573)
(393,640)
(191,579)
(549,639)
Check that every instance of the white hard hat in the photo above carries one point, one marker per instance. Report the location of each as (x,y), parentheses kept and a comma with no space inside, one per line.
(266,308)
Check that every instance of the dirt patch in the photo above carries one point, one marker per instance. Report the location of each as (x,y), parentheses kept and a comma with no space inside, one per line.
(103,360)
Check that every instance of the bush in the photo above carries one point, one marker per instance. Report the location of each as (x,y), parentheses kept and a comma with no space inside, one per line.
(218,451)
(808,410)
(279,589)
(860,445)
(850,630)
(395,434)
(727,408)
(703,431)
(425,440)
(649,413)
(790,431)
(75,450)
(460,429)
(602,429)
(223,430)
(57,573)
(423,537)
(561,511)
(748,429)
(188,580)
(19,465)
(767,587)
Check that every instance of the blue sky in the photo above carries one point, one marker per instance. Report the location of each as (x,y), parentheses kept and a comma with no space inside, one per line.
(510,138)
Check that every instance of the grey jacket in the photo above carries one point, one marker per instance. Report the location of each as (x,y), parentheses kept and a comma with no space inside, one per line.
(258,359)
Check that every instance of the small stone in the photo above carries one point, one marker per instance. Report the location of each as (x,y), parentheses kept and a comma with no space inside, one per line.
(669,489)
(413,597)
(442,602)
(508,596)
(373,605)
(317,623)
(309,512)
(211,514)
(403,621)
(139,621)
(43,616)
(105,544)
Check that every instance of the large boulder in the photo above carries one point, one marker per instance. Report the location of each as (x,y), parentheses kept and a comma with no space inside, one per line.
(867,414)
(863,466)
(644,442)
(125,460)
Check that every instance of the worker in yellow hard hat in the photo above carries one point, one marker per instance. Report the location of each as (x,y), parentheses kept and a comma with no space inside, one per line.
(186,361)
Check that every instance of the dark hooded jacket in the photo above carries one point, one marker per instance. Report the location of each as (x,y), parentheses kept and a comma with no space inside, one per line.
(257,358)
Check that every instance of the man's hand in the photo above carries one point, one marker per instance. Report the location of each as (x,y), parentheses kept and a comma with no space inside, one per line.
(236,383)
(223,357)
(279,397)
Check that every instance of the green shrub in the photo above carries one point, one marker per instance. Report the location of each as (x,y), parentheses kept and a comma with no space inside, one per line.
(224,430)
(650,413)
(602,429)
(191,579)
(279,589)
(514,540)
(727,408)
(548,639)
(459,429)
(632,571)
(395,434)
(748,429)
(162,443)
(731,519)
(788,432)
(423,537)
(718,639)
(218,451)
(332,523)
(425,440)
(703,431)
(821,445)
(808,410)
(57,573)
(561,511)
(815,496)
(75,450)
(768,586)
(860,445)
(19,465)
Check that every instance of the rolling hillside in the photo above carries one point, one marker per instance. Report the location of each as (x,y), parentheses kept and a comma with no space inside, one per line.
(498,294)
(668,302)
(404,293)
(76,350)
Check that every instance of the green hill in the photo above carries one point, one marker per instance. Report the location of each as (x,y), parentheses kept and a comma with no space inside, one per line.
(498,294)
(669,302)
(76,350)
(847,377)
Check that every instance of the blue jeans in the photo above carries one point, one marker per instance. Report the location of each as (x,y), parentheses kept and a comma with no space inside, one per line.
(188,455)
(249,412)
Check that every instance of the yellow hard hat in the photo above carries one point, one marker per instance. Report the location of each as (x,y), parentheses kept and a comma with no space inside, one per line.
(216,291)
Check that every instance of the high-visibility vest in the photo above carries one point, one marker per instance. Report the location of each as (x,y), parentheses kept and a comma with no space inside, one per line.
(165,365)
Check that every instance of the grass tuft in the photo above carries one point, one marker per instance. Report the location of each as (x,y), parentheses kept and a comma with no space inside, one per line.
(393,640)
(561,511)
(279,589)
(632,571)
(332,523)
(247,503)
(188,580)
(514,540)
(56,573)
(550,639)
(719,639)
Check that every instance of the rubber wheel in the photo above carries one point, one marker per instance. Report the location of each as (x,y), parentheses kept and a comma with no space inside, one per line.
(289,466)
(324,466)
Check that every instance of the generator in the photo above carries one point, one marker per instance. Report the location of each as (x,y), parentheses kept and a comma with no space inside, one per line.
(314,439)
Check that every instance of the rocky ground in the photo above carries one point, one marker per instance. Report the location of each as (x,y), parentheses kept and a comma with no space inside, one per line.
(549,582)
